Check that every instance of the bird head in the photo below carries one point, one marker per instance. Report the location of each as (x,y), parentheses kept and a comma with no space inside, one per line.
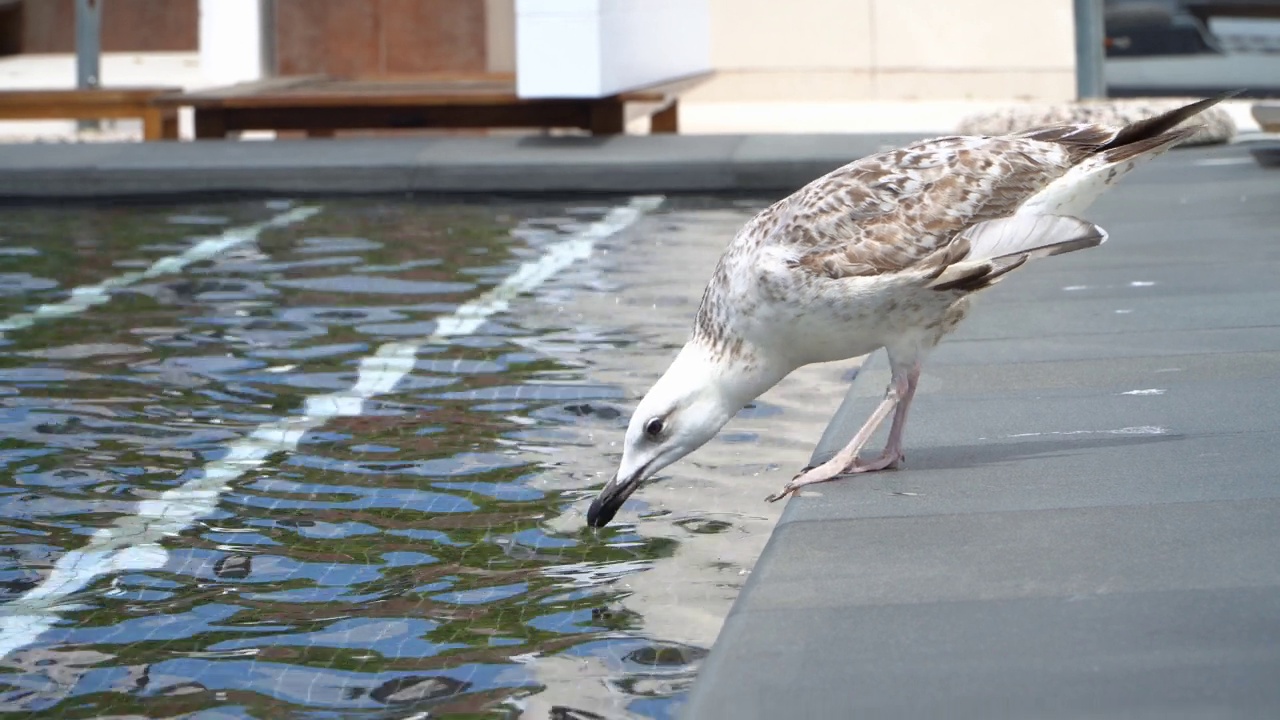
(688,405)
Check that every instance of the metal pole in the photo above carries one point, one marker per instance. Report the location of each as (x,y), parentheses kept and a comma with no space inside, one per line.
(1090,49)
(88,49)
(267,37)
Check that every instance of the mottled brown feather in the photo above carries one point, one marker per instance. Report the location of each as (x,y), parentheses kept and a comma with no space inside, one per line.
(887,212)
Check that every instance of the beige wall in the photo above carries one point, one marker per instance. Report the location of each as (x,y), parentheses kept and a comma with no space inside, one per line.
(847,50)
(814,50)
(500,25)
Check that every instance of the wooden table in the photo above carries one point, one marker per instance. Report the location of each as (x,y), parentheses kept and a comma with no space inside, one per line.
(158,122)
(320,105)
(1267,113)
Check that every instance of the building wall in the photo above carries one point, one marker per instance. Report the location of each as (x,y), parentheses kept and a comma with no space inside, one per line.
(339,37)
(380,37)
(763,50)
(811,50)
(49,26)
(847,50)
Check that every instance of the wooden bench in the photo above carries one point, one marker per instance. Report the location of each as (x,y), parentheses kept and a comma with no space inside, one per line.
(158,122)
(320,105)
(1267,113)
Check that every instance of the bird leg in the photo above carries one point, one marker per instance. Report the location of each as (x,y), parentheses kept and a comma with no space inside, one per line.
(893,454)
(902,388)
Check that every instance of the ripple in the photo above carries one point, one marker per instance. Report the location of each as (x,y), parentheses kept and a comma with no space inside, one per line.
(336,244)
(457,465)
(84,351)
(391,638)
(205,220)
(482,596)
(363,284)
(314,352)
(43,375)
(408,556)
(19,283)
(533,392)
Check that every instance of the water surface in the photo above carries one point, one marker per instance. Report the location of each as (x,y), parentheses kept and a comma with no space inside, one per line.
(421,551)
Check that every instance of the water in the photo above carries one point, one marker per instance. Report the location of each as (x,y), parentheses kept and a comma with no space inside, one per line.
(331,460)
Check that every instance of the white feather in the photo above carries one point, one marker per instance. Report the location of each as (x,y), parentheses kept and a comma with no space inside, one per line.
(1026,233)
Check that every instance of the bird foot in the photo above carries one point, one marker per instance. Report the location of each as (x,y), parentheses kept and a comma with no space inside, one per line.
(814,475)
(887,461)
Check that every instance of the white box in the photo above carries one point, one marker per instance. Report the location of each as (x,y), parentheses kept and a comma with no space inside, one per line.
(595,48)
(230,41)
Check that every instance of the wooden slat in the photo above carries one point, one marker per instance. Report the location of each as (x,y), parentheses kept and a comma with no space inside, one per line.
(607,117)
(55,111)
(157,123)
(210,124)
(452,89)
(101,97)
(317,105)
(320,91)
(666,90)
(215,96)
(218,122)
(394,99)
(342,93)
(666,121)
(508,78)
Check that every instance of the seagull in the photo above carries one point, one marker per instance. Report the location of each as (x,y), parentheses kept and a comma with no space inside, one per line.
(884,252)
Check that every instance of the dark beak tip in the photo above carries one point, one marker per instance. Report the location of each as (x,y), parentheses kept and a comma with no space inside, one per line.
(600,513)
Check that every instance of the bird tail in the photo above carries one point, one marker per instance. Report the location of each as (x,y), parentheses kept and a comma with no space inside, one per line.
(1106,163)
(1046,224)
(1143,136)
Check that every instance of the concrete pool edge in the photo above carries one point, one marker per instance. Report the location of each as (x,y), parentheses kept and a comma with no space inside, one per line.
(630,164)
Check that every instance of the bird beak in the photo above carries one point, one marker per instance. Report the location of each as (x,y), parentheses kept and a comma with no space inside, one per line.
(616,492)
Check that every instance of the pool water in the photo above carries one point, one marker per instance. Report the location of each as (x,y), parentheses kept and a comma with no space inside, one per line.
(331,459)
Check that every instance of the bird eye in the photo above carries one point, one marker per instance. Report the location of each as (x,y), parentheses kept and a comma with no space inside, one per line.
(653,428)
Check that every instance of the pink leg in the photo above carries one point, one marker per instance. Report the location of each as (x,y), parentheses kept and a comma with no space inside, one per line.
(900,389)
(893,455)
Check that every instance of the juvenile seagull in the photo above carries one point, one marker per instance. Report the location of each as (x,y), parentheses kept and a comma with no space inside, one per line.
(883,252)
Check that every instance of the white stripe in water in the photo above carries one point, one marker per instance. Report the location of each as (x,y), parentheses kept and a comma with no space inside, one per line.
(133,542)
(85,297)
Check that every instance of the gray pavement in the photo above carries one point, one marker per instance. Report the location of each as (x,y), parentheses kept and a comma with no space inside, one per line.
(1089,523)
(501,164)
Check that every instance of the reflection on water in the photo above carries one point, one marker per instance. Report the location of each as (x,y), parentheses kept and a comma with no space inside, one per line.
(420,550)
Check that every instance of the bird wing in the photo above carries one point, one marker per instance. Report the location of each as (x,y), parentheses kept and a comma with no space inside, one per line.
(908,209)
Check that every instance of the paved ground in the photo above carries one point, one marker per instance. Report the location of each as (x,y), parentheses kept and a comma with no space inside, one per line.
(1090,522)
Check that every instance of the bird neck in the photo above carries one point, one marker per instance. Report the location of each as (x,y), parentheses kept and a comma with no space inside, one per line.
(733,378)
